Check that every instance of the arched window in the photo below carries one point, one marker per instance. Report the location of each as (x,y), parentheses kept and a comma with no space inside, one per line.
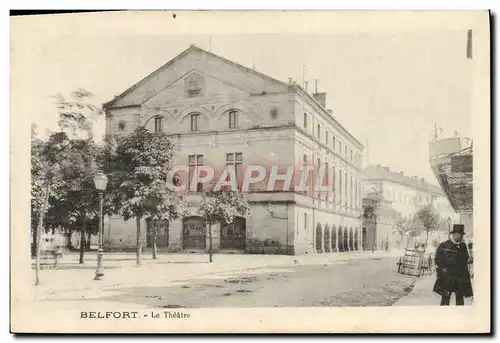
(158,124)
(194,121)
(233,119)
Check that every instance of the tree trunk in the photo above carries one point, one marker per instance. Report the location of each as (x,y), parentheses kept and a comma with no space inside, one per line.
(154,240)
(83,243)
(39,234)
(89,239)
(210,242)
(139,242)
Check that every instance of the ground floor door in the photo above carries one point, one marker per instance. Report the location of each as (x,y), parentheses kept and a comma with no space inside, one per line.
(233,236)
(194,233)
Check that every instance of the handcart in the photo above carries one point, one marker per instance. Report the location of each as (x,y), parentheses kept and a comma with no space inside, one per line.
(415,262)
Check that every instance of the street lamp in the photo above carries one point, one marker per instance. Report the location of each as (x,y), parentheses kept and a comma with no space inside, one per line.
(100,182)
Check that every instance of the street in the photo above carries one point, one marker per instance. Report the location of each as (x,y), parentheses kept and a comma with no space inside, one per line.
(370,281)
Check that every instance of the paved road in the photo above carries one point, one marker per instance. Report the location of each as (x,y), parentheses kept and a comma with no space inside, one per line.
(368,282)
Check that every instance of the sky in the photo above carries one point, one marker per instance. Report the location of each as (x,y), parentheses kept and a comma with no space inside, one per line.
(386,87)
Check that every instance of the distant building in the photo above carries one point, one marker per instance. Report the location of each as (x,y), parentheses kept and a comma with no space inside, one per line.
(220,113)
(394,194)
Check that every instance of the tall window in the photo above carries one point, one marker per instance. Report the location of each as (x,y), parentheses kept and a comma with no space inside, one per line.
(340,187)
(333,143)
(305,120)
(326,137)
(158,124)
(234,159)
(351,203)
(346,181)
(318,132)
(326,177)
(333,182)
(194,121)
(345,152)
(194,162)
(233,119)
(350,152)
(340,147)
(305,221)
(314,181)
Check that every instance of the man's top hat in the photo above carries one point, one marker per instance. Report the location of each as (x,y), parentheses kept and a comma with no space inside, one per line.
(458,228)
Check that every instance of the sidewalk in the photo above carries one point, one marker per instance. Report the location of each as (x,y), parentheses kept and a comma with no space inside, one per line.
(121,271)
(422,294)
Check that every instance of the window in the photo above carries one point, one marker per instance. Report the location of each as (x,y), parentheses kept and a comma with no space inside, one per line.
(233,119)
(158,124)
(304,160)
(326,176)
(345,152)
(326,137)
(340,147)
(319,131)
(234,159)
(194,121)
(340,186)
(350,153)
(356,194)
(352,194)
(346,180)
(333,143)
(333,181)
(194,162)
(305,221)
(305,120)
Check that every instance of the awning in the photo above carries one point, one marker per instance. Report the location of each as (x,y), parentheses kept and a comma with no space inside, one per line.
(454,174)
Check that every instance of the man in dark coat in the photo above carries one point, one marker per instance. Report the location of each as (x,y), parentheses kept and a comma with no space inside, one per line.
(452,261)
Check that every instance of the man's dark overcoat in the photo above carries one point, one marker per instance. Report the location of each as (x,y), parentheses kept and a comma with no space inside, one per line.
(452,269)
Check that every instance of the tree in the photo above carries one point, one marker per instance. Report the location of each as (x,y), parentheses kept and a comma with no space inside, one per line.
(428,218)
(222,204)
(140,169)
(402,225)
(56,162)
(47,160)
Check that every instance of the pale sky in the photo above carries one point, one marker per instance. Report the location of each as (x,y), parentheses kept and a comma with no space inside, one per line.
(386,87)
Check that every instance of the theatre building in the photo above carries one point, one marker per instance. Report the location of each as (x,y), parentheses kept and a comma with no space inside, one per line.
(219,113)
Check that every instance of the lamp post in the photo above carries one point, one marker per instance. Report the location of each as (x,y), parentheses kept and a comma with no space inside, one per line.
(100,181)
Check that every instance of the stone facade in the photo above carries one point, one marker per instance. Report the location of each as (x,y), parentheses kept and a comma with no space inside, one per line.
(220,112)
(392,192)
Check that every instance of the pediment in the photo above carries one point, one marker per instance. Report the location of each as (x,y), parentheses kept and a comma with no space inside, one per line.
(217,73)
(194,85)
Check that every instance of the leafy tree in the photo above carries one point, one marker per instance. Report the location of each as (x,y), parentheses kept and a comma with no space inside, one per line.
(222,204)
(140,169)
(62,164)
(428,218)
(48,158)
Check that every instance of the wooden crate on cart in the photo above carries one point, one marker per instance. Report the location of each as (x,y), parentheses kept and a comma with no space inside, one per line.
(413,263)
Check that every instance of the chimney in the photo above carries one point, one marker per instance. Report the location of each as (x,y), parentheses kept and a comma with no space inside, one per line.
(402,173)
(386,168)
(289,81)
(305,84)
(378,166)
(330,111)
(320,98)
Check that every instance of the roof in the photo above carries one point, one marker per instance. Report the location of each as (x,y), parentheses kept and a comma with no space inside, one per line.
(191,48)
(377,172)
